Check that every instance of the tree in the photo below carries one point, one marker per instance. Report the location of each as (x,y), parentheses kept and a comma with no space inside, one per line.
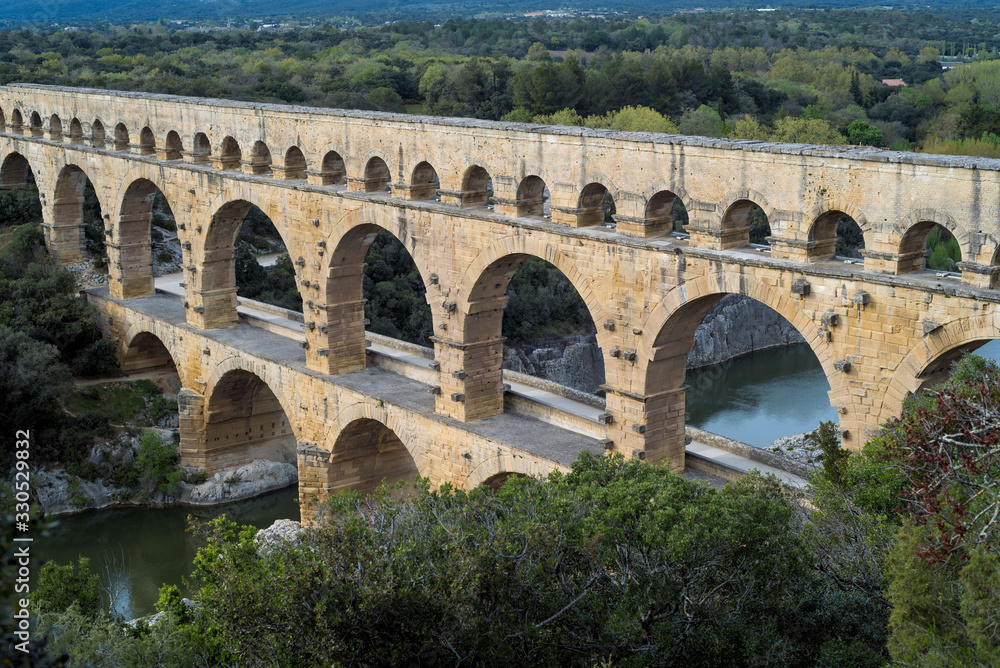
(749,128)
(386,99)
(807,131)
(703,121)
(862,134)
(633,119)
(943,580)
(33,382)
(615,562)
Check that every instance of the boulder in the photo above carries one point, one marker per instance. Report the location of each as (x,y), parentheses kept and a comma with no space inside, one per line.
(278,536)
(243,482)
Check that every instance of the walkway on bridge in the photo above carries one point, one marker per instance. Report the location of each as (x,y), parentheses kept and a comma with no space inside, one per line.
(712,462)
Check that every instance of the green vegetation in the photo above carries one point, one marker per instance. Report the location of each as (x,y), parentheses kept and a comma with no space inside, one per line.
(397,305)
(789,75)
(46,335)
(945,251)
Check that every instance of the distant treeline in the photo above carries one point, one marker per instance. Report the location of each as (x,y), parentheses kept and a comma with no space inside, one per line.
(736,74)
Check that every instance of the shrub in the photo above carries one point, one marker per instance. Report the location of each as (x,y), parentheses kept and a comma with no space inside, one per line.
(60,587)
(155,462)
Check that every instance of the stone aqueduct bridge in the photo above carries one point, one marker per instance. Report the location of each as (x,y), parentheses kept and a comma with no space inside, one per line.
(330,180)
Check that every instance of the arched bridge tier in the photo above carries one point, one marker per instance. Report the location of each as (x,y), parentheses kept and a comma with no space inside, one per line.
(470,200)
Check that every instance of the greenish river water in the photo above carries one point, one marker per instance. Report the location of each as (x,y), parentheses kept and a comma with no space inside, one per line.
(755,399)
(150,544)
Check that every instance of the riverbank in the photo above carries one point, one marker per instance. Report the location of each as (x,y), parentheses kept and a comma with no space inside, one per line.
(61,493)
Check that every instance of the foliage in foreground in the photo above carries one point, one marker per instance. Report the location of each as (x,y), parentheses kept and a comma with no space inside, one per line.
(615,561)
(944,569)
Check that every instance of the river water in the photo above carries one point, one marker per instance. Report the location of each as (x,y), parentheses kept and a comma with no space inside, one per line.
(149,545)
(754,399)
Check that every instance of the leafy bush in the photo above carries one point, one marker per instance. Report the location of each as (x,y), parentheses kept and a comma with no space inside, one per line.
(616,562)
(155,463)
(60,587)
(20,205)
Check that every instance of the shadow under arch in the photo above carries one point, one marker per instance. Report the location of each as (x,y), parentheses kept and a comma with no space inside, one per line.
(244,419)
(663,207)
(367,451)
(15,170)
(477,185)
(144,349)
(734,216)
(424,182)
(596,203)
(832,234)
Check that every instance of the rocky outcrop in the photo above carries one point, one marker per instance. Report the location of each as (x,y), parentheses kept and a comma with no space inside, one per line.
(243,482)
(735,326)
(60,493)
(574,362)
(278,536)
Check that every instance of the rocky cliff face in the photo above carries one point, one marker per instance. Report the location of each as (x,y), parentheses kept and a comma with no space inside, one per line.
(735,326)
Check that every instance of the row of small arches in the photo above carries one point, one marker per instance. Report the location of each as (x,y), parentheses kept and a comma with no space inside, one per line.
(664,211)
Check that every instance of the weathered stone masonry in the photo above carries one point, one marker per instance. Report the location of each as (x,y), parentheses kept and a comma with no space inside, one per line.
(330,180)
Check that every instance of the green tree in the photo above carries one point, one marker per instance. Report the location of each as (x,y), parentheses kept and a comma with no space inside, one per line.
(614,562)
(703,121)
(807,131)
(862,134)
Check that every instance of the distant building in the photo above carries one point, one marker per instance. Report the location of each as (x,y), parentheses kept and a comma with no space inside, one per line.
(893,82)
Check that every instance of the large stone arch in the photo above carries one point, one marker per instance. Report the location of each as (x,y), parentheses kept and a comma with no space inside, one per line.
(369,445)
(340,330)
(212,286)
(656,403)
(133,342)
(242,416)
(525,245)
(928,363)
(718,285)
(474,354)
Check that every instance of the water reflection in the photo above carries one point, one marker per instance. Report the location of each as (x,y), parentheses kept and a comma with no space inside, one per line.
(761,397)
(145,547)
(767,395)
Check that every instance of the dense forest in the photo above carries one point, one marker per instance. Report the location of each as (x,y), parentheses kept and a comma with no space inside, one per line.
(790,75)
